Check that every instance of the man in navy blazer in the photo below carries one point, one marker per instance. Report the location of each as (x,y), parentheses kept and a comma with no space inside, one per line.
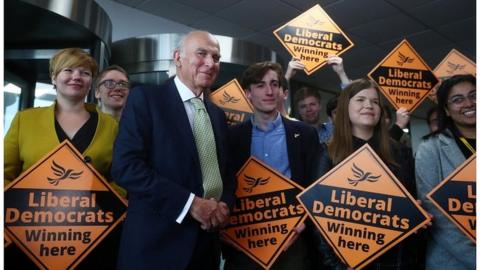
(290,147)
(169,223)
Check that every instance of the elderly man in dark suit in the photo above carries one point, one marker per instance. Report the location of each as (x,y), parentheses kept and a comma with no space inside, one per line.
(290,147)
(171,155)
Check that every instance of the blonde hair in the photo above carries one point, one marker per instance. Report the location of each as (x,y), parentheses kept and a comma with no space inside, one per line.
(72,57)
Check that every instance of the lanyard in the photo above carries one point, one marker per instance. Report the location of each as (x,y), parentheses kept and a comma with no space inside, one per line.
(465,142)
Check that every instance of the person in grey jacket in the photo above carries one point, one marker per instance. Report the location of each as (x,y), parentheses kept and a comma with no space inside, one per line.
(437,157)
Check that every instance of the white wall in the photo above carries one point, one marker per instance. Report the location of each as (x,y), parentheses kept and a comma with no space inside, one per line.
(128,22)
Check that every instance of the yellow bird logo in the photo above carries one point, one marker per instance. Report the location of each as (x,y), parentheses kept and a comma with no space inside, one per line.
(227,98)
(404,59)
(361,176)
(252,182)
(62,174)
(454,67)
(312,21)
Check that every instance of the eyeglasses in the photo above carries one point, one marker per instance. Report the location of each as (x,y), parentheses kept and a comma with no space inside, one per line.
(459,99)
(111,84)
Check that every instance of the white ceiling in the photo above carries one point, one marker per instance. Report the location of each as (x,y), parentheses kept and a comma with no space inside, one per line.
(433,27)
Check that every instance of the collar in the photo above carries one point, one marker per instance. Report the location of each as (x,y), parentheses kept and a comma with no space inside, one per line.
(184,92)
(357,142)
(270,125)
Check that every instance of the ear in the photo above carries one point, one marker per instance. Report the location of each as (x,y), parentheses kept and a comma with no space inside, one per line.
(248,93)
(54,82)
(285,94)
(176,58)
(97,93)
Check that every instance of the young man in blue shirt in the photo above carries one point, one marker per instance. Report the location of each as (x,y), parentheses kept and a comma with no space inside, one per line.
(290,147)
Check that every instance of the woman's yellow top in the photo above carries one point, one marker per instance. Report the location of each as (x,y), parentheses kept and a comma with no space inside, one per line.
(32,135)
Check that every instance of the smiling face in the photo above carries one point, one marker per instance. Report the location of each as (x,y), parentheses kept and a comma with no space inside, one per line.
(364,111)
(461,105)
(73,83)
(309,110)
(198,61)
(264,95)
(114,98)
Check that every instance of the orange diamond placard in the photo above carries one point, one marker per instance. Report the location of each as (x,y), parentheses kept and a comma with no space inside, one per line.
(233,101)
(60,209)
(456,197)
(312,37)
(265,212)
(454,63)
(362,209)
(404,78)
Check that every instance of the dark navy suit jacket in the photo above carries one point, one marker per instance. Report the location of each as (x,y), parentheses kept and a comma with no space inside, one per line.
(155,159)
(302,147)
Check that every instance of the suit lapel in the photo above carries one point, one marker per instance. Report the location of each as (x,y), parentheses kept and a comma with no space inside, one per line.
(452,153)
(175,110)
(245,140)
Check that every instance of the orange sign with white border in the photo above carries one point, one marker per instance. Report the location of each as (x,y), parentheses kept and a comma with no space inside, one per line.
(233,102)
(362,209)
(454,63)
(456,197)
(60,209)
(312,37)
(404,77)
(265,213)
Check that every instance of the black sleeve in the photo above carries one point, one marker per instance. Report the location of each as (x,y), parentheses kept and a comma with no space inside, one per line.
(404,170)
(323,162)
(395,132)
(409,170)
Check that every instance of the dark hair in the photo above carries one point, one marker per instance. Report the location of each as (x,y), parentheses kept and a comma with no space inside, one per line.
(341,145)
(444,121)
(430,113)
(387,112)
(284,83)
(254,73)
(332,105)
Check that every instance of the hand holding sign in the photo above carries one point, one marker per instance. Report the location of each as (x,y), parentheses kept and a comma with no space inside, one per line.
(337,65)
(58,222)
(362,209)
(297,231)
(312,37)
(266,215)
(294,65)
(403,117)
(404,77)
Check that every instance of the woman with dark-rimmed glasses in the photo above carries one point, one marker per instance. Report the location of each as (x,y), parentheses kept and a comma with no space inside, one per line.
(437,157)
